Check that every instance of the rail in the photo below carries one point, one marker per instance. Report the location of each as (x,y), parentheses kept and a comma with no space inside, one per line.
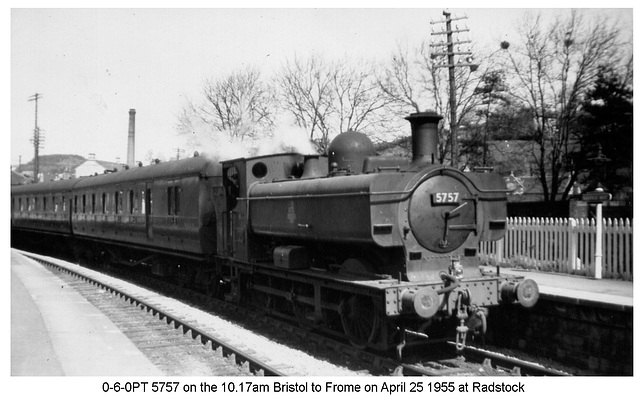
(241,358)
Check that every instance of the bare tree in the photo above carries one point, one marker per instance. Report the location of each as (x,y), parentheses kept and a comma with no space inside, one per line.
(240,105)
(475,130)
(330,97)
(305,89)
(403,83)
(410,84)
(552,70)
(359,103)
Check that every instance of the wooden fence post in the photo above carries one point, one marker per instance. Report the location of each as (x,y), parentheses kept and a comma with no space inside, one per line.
(573,245)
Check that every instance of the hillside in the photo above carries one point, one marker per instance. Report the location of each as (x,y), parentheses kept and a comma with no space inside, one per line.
(55,163)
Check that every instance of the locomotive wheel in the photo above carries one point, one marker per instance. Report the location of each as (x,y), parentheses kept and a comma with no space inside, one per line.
(360,320)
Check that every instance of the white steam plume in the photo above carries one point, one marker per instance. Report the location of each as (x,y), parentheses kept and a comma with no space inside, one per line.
(220,146)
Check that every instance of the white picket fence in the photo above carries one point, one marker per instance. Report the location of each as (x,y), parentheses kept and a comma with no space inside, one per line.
(564,245)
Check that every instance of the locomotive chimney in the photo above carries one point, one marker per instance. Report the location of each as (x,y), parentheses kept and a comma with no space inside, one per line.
(131,149)
(424,137)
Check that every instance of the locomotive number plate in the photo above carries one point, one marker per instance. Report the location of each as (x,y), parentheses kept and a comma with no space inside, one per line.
(445,198)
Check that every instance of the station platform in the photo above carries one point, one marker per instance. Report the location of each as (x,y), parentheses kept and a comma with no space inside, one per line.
(55,331)
(606,293)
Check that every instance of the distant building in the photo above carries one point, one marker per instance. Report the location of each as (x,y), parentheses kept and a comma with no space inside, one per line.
(64,175)
(18,179)
(88,168)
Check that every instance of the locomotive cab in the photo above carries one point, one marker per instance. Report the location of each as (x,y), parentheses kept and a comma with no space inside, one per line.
(239,176)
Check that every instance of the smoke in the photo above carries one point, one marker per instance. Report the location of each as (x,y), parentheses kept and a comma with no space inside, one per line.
(285,140)
(221,145)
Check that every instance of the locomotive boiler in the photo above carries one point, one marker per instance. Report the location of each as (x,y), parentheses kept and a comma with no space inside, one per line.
(382,251)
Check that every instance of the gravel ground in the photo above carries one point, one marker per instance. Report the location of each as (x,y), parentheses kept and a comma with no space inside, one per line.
(290,361)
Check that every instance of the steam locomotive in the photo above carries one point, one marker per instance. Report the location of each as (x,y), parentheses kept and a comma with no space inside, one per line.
(382,251)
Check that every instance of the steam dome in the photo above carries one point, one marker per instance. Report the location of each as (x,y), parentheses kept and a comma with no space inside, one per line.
(349,150)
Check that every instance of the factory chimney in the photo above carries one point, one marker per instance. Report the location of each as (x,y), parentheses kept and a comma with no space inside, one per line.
(424,137)
(131,149)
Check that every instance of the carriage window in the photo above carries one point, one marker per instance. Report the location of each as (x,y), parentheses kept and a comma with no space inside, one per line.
(143,205)
(93,203)
(75,204)
(44,203)
(176,193)
(173,200)
(84,203)
(64,204)
(20,203)
(118,202)
(132,203)
(105,200)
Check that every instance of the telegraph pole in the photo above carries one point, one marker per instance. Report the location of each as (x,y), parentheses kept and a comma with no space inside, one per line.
(178,151)
(451,65)
(37,139)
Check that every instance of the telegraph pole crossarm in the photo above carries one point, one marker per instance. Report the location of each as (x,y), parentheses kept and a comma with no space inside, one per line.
(451,65)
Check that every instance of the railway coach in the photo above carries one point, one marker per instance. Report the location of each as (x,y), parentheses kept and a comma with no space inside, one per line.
(156,216)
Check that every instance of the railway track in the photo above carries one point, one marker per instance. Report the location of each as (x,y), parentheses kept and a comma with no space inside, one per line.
(475,362)
(175,346)
(516,366)
(479,362)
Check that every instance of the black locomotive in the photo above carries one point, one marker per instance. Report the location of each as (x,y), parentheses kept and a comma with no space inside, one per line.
(380,250)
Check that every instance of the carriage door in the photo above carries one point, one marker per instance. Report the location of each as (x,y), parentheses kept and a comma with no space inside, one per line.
(148,210)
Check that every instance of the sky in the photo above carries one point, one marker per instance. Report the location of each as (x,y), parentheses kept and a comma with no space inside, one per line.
(93,65)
